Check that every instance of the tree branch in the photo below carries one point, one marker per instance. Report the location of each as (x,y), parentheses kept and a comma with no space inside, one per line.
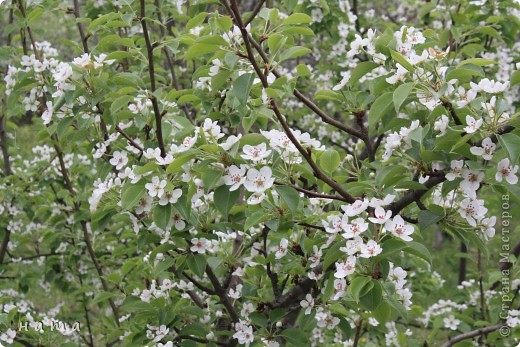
(473,333)
(80,27)
(413,195)
(221,292)
(257,9)
(151,70)
(233,9)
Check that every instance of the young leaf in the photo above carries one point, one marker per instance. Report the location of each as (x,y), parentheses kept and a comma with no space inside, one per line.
(361,70)
(242,86)
(131,195)
(356,286)
(380,106)
(330,160)
(511,144)
(298,18)
(401,93)
(161,215)
(289,196)
(398,58)
(225,199)
(197,264)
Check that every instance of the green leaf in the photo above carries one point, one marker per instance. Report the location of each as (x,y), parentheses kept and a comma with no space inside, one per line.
(428,218)
(161,215)
(361,70)
(356,286)
(511,144)
(224,23)
(427,8)
(34,15)
(399,307)
(252,139)
(419,250)
(197,264)
(374,297)
(255,219)
(63,126)
(289,196)
(120,102)
(391,246)
(477,61)
(225,199)
(131,195)
(293,52)
(242,87)
(103,296)
(383,312)
(210,177)
(401,93)
(275,42)
(333,254)
(179,161)
(295,337)
(515,78)
(330,160)
(462,73)
(303,70)
(326,94)
(128,266)
(119,55)
(196,21)
(398,58)
(164,265)
(298,31)
(199,49)
(380,106)
(298,18)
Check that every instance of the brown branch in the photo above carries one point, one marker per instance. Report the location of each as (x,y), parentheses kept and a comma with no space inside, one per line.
(308,102)
(299,95)
(151,71)
(413,195)
(169,60)
(31,257)
(233,9)
(196,299)
(198,284)
(359,325)
(80,27)
(29,31)
(129,139)
(473,333)
(221,292)
(86,234)
(3,246)
(313,194)
(463,263)
(87,318)
(272,275)
(449,106)
(3,144)
(257,9)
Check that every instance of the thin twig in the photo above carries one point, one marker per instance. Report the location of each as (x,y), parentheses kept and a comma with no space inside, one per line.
(221,292)
(255,12)
(151,71)
(233,9)
(473,333)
